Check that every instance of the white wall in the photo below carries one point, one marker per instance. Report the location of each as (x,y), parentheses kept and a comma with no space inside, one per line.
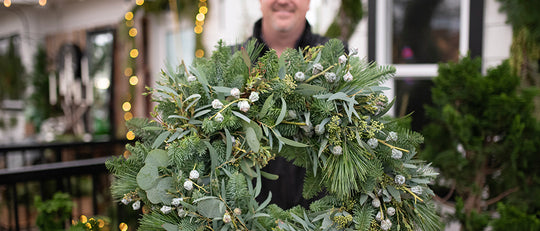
(497,36)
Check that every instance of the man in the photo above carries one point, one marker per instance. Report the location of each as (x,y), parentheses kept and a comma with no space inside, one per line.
(283,25)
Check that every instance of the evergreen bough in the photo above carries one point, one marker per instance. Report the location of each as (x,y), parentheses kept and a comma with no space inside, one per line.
(217,123)
(484,139)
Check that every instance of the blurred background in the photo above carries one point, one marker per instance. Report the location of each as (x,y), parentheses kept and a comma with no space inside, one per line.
(72,72)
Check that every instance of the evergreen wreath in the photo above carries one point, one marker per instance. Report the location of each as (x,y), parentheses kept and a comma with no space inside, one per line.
(197,164)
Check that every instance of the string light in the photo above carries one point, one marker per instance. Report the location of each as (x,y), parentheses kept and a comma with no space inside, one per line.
(133,80)
(128,116)
(127,154)
(134,53)
(199,22)
(123,226)
(128,16)
(128,71)
(203,10)
(42,2)
(199,53)
(198,29)
(7,3)
(133,32)
(200,17)
(129,23)
(139,2)
(126,106)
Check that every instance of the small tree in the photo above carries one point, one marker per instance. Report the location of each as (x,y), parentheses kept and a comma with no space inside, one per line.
(484,139)
(53,213)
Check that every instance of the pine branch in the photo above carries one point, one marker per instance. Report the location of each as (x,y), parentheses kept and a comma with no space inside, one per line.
(501,196)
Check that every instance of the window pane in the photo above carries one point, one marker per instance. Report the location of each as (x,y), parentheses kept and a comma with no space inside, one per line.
(425,31)
(100,60)
(411,96)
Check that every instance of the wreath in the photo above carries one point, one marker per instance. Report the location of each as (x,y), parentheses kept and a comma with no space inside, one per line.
(197,164)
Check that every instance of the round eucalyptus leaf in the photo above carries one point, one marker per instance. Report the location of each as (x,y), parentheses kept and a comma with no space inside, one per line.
(159,194)
(147,176)
(157,157)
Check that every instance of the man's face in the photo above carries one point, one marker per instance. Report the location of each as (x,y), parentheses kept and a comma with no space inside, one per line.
(284,15)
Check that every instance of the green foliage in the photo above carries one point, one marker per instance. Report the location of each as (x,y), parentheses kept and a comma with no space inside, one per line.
(219,122)
(482,137)
(349,15)
(39,108)
(513,218)
(523,14)
(525,49)
(53,213)
(12,73)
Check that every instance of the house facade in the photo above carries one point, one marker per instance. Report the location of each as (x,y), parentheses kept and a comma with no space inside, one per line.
(100,55)
(414,36)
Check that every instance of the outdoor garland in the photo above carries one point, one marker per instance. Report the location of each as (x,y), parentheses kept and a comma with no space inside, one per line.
(197,165)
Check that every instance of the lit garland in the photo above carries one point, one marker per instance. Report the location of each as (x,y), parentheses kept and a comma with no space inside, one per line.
(198,29)
(132,31)
(129,72)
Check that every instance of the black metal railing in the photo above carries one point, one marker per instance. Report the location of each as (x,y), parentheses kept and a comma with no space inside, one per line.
(41,170)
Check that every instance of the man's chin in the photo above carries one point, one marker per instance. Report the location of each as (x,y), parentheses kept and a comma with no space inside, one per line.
(283,27)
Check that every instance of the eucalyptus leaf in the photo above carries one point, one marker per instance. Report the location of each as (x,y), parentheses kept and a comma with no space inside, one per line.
(166,89)
(267,105)
(246,168)
(201,113)
(225,90)
(282,112)
(252,140)
(363,199)
(258,183)
(420,181)
(147,177)
(211,207)
(194,96)
(309,90)
(292,142)
(241,116)
(178,117)
(160,139)
(164,186)
(157,157)
(269,176)
(213,155)
(174,136)
(265,202)
(228,142)
(342,96)
(170,227)
(394,192)
(324,142)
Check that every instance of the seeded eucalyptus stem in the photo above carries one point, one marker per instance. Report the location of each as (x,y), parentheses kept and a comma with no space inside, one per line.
(392,146)
(225,107)
(320,73)
(294,123)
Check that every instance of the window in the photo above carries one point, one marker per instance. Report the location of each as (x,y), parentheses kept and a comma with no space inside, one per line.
(415,35)
(425,31)
(180,45)
(100,71)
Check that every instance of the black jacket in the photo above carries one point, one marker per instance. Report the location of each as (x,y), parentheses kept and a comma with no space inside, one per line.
(287,190)
(306,39)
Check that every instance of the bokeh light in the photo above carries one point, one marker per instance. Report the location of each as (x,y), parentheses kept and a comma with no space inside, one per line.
(133,80)
(134,53)
(126,106)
